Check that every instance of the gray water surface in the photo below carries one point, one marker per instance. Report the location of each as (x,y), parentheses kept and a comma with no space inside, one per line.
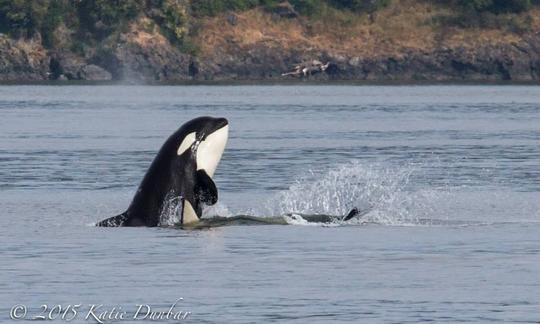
(452,174)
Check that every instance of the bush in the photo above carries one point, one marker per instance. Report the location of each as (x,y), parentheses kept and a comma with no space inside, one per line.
(102,16)
(361,5)
(307,7)
(22,17)
(490,14)
(56,14)
(509,22)
(496,6)
(214,7)
(175,20)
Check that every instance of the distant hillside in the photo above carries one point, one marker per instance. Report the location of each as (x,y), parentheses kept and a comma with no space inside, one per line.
(173,40)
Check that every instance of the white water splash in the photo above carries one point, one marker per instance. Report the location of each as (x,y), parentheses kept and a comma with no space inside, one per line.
(219,209)
(386,191)
(295,219)
(172,210)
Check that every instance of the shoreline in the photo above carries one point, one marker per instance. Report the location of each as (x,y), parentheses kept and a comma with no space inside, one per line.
(408,42)
(266,82)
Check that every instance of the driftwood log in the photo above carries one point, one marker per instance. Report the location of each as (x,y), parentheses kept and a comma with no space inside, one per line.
(307,68)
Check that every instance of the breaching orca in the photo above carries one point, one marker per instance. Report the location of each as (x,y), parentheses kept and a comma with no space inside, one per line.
(180,177)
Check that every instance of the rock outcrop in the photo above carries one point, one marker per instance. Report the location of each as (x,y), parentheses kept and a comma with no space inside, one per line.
(68,66)
(22,60)
(143,55)
(516,62)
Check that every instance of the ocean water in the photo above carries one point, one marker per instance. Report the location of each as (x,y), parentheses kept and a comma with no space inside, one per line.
(450,174)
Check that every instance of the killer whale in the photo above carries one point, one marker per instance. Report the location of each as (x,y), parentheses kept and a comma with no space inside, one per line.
(179,181)
(180,176)
(246,220)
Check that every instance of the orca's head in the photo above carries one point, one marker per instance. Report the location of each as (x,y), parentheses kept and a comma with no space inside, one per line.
(205,138)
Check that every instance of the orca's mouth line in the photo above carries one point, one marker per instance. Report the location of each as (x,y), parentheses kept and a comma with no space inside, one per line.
(205,135)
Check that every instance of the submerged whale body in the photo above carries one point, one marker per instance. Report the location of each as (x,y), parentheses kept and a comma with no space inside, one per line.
(180,177)
(218,221)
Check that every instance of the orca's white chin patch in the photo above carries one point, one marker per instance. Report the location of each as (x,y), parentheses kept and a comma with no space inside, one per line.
(211,149)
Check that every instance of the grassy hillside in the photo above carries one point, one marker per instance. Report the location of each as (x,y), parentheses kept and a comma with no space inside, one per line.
(403,24)
(93,20)
(243,37)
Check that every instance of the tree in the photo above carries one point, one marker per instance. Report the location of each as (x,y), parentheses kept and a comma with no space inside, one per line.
(22,17)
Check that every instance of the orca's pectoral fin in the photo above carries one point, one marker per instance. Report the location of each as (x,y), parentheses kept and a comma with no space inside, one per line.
(115,221)
(205,188)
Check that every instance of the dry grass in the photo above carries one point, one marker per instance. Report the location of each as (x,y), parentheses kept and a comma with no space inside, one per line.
(404,25)
(145,33)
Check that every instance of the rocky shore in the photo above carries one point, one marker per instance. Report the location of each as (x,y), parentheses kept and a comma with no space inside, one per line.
(502,62)
(142,54)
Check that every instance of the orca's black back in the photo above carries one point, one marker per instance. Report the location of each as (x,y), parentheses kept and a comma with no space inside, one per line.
(168,175)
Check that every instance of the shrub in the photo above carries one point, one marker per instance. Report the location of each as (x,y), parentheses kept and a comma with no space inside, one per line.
(175,20)
(361,5)
(307,7)
(214,7)
(495,6)
(102,16)
(56,14)
(22,17)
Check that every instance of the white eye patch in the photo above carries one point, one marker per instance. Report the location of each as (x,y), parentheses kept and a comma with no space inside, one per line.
(186,143)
